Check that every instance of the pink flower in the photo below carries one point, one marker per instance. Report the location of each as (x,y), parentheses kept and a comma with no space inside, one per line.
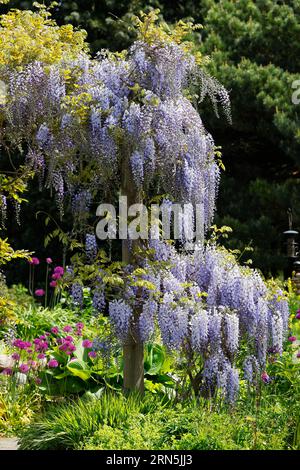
(7,371)
(67,329)
(92,354)
(16,356)
(40,292)
(265,377)
(59,270)
(298,315)
(48,260)
(87,343)
(55,330)
(69,338)
(298,354)
(35,261)
(18,343)
(24,368)
(53,284)
(79,326)
(53,363)
(40,345)
(47,333)
(56,276)
(38,381)
(32,363)
(41,356)
(291,339)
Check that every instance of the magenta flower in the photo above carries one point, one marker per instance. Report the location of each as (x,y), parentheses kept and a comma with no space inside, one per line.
(53,284)
(291,339)
(32,363)
(298,315)
(56,276)
(53,363)
(18,343)
(24,368)
(79,326)
(7,371)
(265,377)
(35,261)
(55,330)
(15,356)
(69,338)
(40,292)
(48,260)
(67,329)
(87,343)
(40,345)
(41,356)
(92,354)
(47,333)
(298,354)
(59,270)
(38,381)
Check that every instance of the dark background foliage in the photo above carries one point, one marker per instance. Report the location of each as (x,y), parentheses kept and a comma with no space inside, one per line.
(255,52)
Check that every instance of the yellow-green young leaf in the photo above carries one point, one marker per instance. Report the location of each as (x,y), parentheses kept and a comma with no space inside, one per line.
(146,284)
(113,280)
(139,272)
(78,368)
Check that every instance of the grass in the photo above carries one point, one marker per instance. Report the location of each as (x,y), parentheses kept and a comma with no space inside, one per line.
(114,422)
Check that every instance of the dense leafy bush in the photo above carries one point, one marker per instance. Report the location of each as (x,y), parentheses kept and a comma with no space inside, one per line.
(113,422)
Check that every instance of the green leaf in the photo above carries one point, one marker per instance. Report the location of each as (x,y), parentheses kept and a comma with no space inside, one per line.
(79,369)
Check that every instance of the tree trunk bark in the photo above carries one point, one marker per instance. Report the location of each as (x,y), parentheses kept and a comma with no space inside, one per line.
(133,349)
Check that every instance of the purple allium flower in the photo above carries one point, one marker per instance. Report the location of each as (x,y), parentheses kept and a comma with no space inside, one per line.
(38,381)
(298,315)
(18,343)
(67,329)
(7,371)
(32,363)
(15,356)
(59,270)
(24,368)
(265,378)
(35,261)
(41,356)
(39,292)
(56,276)
(87,343)
(53,363)
(92,354)
(49,260)
(55,330)
(53,284)
(292,339)
(79,326)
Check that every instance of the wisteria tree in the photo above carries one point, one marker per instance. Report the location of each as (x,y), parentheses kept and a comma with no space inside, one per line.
(92,129)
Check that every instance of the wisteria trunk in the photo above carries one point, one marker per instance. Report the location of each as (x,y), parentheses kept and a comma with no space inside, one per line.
(133,349)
